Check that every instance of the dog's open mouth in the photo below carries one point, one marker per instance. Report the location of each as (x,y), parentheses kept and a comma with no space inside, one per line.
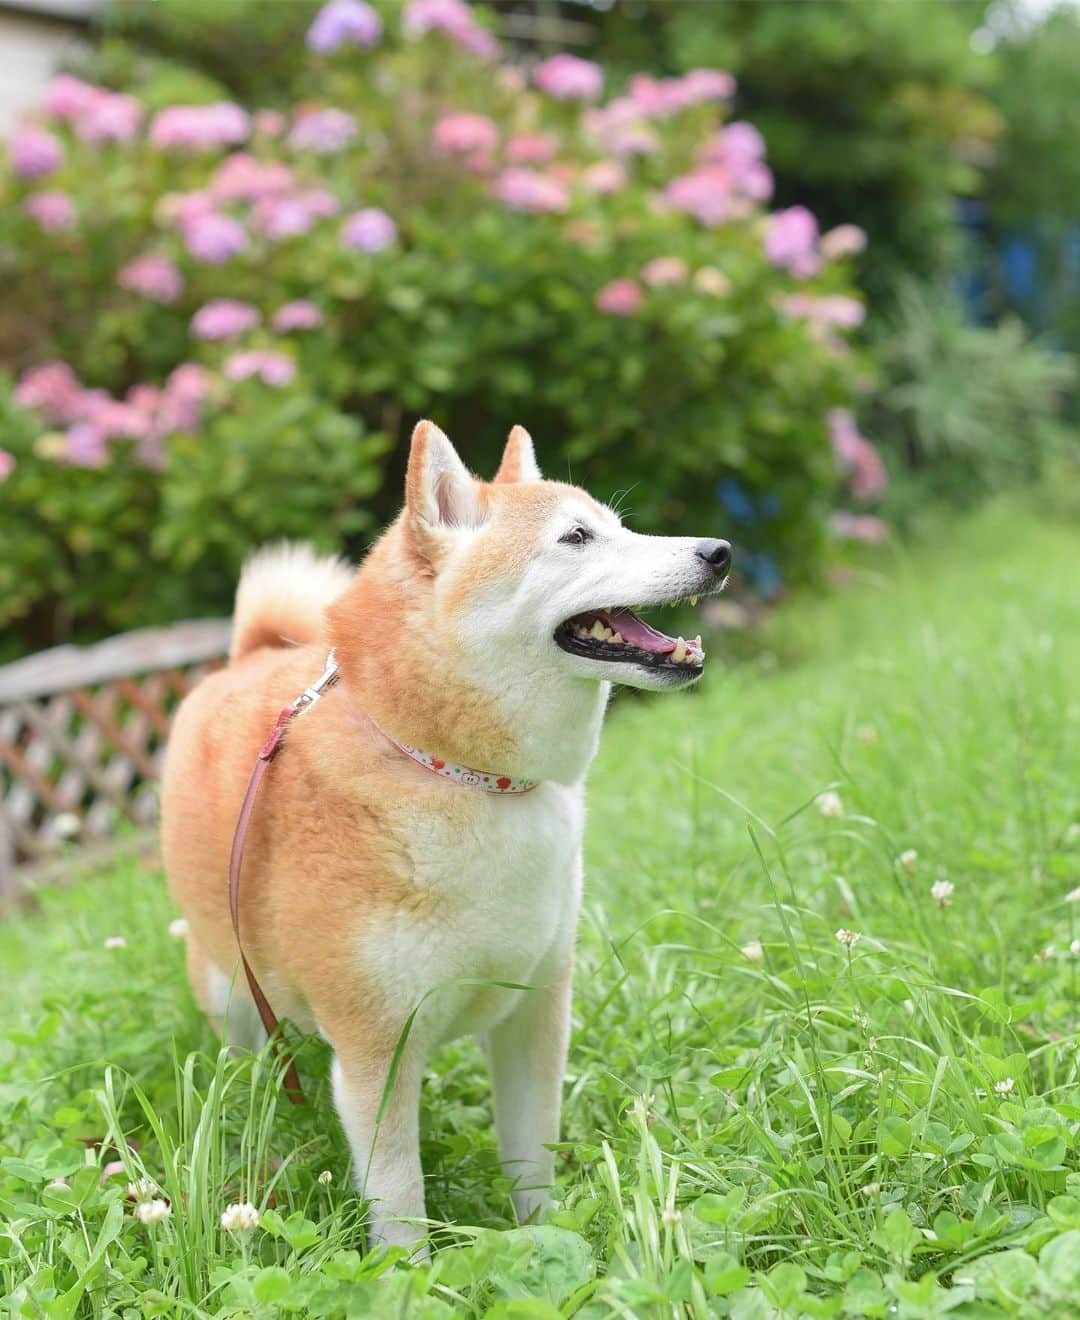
(617,634)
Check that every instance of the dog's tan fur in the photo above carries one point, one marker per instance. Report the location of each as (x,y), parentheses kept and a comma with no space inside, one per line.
(367,881)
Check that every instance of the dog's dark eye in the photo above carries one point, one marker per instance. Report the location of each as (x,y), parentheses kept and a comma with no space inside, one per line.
(576,536)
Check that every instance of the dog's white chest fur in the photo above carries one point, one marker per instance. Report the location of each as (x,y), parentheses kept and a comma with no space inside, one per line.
(497,891)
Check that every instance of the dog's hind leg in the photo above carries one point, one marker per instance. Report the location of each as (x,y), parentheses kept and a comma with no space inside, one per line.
(225,1001)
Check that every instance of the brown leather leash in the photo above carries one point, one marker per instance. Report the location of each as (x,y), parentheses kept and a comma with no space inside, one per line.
(269,750)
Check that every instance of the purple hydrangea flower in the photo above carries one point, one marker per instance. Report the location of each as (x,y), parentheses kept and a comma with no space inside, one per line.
(223,318)
(791,242)
(455,19)
(301,314)
(570,78)
(215,239)
(271,368)
(35,153)
(241,178)
(155,278)
(369,230)
(53,211)
(85,446)
(344,23)
(323,131)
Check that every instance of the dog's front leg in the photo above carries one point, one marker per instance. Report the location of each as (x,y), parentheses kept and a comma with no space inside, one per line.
(386,1152)
(527,1051)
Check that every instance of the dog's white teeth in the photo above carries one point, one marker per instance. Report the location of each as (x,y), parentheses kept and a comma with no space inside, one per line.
(693,600)
(598,631)
(617,637)
(697,643)
(680,651)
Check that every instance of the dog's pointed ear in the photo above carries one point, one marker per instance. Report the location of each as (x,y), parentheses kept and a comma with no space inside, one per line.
(440,491)
(518,460)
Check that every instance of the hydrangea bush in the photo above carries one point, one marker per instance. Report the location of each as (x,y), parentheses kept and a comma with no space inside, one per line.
(227,318)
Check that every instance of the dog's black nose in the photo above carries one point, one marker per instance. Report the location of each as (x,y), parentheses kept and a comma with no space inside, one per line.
(717,554)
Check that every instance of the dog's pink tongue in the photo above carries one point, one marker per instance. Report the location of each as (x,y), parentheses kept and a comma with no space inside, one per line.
(638,633)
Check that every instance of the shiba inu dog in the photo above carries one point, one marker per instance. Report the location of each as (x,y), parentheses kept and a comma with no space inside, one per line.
(422,830)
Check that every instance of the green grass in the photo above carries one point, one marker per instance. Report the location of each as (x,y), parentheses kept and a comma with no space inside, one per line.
(799,1128)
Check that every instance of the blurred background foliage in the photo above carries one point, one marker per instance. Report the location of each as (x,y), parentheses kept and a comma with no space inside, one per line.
(948,132)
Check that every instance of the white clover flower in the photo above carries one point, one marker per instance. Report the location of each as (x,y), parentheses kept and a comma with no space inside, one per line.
(152,1212)
(909,860)
(849,938)
(1044,955)
(1072,834)
(1004,1086)
(178,929)
(326,1177)
(1073,896)
(142,1190)
(1074,948)
(753,951)
(830,806)
(116,942)
(941,891)
(241,1216)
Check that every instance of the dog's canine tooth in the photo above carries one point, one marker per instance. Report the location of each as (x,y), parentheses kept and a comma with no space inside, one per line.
(693,600)
(679,654)
(617,637)
(598,630)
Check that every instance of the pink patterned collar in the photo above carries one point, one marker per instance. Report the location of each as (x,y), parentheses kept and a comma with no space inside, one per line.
(485,780)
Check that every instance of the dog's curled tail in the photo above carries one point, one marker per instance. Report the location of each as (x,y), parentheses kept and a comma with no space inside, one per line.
(283,591)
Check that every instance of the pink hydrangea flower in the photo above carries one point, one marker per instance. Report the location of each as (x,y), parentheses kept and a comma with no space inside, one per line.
(606,176)
(618,127)
(279,218)
(858,527)
(569,78)
(215,239)
(706,194)
(323,131)
(833,310)
(53,211)
(85,446)
(462,134)
(180,406)
(664,271)
(700,85)
(271,368)
(223,318)
(269,123)
(301,314)
(54,388)
(527,190)
(67,97)
(35,153)
(344,23)
(369,230)
(241,178)
(620,298)
(856,457)
(530,149)
(153,277)
(843,241)
(113,419)
(739,150)
(791,242)
(454,18)
(110,117)
(200,127)
(7,464)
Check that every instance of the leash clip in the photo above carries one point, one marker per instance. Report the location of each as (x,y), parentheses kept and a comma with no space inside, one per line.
(327,679)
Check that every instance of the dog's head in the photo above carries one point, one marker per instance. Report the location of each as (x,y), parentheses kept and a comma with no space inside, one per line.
(534,579)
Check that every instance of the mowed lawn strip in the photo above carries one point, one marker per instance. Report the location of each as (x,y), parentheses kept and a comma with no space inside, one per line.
(762,1118)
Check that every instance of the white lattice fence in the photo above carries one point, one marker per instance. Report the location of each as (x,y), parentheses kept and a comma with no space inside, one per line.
(82,731)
